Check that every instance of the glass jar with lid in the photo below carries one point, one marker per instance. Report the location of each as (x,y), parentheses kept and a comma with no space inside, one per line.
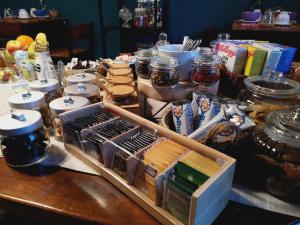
(86,78)
(206,69)
(143,62)
(33,100)
(49,87)
(277,145)
(269,93)
(23,140)
(89,91)
(141,18)
(62,105)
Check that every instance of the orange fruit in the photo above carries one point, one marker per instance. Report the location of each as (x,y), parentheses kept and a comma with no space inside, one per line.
(25,41)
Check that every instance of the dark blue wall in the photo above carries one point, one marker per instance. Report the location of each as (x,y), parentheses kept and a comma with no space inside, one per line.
(185,17)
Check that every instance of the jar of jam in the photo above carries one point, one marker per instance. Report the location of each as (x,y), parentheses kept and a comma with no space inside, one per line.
(269,93)
(278,153)
(62,105)
(164,71)
(86,78)
(143,62)
(49,87)
(33,100)
(23,140)
(89,91)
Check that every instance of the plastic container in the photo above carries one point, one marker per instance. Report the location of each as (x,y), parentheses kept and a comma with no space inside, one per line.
(86,78)
(49,87)
(34,100)
(62,105)
(278,152)
(143,62)
(23,140)
(89,91)
(164,71)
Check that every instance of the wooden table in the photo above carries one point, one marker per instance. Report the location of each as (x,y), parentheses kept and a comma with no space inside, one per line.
(287,35)
(54,27)
(59,196)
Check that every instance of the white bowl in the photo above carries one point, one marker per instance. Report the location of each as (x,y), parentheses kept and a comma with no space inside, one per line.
(185,59)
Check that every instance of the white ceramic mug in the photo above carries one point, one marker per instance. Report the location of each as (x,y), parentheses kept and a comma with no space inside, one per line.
(31,12)
(283,18)
(23,14)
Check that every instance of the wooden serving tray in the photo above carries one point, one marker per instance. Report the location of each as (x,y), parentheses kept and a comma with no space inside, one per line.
(206,202)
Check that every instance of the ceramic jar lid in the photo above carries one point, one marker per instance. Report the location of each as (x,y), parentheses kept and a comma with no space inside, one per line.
(81,89)
(27,100)
(68,103)
(44,85)
(20,122)
(80,78)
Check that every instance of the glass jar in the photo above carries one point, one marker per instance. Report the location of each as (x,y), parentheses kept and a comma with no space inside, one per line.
(23,140)
(62,105)
(164,71)
(49,87)
(89,91)
(206,69)
(143,62)
(269,93)
(34,100)
(277,145)
(141,18)
(86,78)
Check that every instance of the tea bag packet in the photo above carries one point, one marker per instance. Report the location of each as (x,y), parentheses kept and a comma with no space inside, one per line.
(183,117)
(238,117)
(201,133)
(205,107)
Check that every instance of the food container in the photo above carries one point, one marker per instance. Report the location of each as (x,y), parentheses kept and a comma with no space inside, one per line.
(89,91)
(7,74)
(206,69)
(269,93)
(23,141)
(34,100)
(164,71)
(121,93)
(120,72)
(80,78)
(278,153)
(143,62)
(49,87)
(62,105)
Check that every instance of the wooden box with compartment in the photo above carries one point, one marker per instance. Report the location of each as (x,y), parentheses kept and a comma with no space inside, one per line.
(145,160)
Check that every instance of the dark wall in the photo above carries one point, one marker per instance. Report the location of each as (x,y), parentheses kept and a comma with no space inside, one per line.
(185,17)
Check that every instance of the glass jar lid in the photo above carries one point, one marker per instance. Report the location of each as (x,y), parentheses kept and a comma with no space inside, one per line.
(273,86)
(164,62)
(67,103)
(284,126)
(44,85)
(26,100)
(20,122)
(207,58)
(146,53)
(81,89)
(81,78)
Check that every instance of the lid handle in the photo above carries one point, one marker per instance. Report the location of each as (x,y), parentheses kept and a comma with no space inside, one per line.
(26,95)
(81,87)
(18,116)
(81,76)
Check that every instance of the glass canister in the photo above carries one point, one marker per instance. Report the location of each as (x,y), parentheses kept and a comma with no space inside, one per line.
(143,62)
(33,100)
(89,91)
(278,153)
(62,105)
(23,140)
(269,93)
(86,78)
(206,69)
(164,71)
(49,87)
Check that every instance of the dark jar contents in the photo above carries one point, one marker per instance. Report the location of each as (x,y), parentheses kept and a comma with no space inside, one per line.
(25,150)
(164,71)
(206,69)
(143,62)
